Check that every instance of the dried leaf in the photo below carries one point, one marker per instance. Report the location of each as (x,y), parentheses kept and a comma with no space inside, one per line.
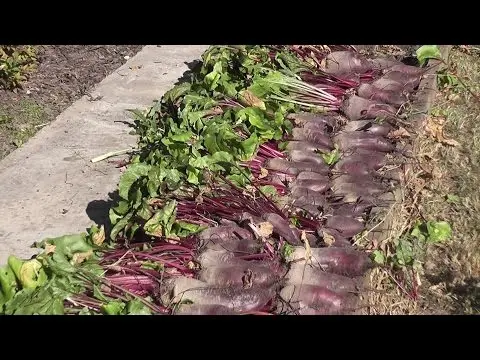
(328,239)
(399,133)
(265,229)
(263,173)
(434,128)
(249,99)
(49,248)
(80,257)
(99,237)
(308,250)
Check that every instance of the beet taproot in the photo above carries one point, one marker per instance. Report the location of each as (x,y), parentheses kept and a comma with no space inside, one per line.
(296,167)
(305,146)
(323,300)
(373,93)
(281,227)
(310,275)
(197,309)
(306,156)
(368,126)
(346,62)
(360,140)
(357,108)
(340,261)
(345,225)
(312,136)
(318,186)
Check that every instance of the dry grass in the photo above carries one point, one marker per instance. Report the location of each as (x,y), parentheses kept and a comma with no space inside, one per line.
(449,281)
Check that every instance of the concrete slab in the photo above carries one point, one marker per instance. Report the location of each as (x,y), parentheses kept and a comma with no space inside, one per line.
(49,187)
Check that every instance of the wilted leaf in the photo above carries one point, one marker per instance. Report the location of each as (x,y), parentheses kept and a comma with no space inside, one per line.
(80,257)
(99,237)
(426,52)
(328,239)
(399,133)
(438,231)
(265,229)
(249,99)
(263,173)
(50,249)
(434,127)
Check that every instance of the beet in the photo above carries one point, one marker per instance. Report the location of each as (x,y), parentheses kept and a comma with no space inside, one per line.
(346,226)
(236,298)
(197,309)
(246,274)
(373,161)
(306,175)
(323,300)
(346,62)
(408,69)
(357,108)
(210,257)
(383,63)
(306,156)
(311,185)
(312,136)
(304,196)
(340,261)
(295,167)
(305,146)
(352,210)
(359,140)
(222,232)
(368,126)
(374,93)
(330,119)
(408,82)
(311,275)
(281,227)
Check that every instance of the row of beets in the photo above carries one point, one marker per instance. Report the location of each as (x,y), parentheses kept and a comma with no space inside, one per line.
(237,269)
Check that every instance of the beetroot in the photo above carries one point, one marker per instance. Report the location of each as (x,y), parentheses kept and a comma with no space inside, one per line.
(357,108)
(346,62)
(330,119)
(305,175)
(305,146)
(368,126)
(321,299)
(374,93)
(306,156)
(340,261)
(282,228)
(312,185)
(210,257)
(359,140)
(294,168)
(346,226)
(246,274)
(196,309)
(303,196)
(312,136)
(311,275)
(408,82)
(181,289)
(372,160)
(222,232)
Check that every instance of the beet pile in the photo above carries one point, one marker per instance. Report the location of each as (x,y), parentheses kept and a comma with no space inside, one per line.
(253,181)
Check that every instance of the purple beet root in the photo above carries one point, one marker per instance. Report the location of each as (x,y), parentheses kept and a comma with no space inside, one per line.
(330,119)
(311,185)
(196,309)
(345,225)
(341,261)
(296,167)
(311,275)
(281,227)
(365,141)
(357,108)
(346,62)
(312,136)
(305,147)
(368,126)
(245,274)
(323,300)
(373,93)
(304,156)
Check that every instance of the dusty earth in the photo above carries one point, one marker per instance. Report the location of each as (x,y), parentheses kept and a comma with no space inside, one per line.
(64,74)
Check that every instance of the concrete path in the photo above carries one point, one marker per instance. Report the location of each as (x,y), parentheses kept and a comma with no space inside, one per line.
(49,187)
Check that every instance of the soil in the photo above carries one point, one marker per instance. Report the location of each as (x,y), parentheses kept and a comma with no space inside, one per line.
(64,74)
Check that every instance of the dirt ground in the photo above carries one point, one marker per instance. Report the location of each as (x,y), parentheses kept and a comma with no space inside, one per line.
(444,188)
(64,74)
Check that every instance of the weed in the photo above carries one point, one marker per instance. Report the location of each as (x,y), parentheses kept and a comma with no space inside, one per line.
(16,62)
